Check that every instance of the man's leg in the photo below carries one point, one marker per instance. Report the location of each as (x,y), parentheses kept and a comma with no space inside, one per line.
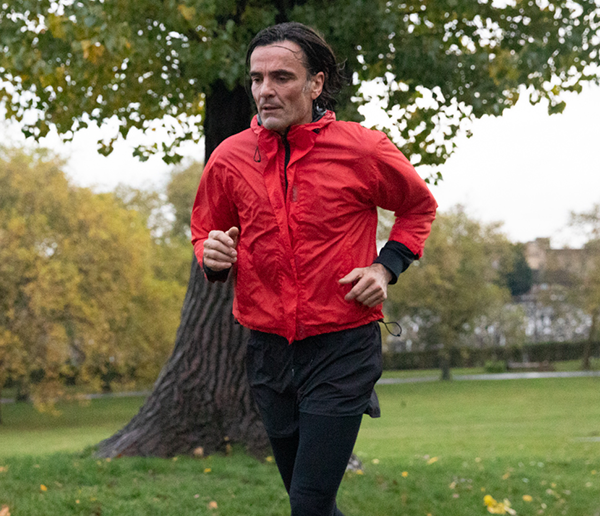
(325,446)
(285,450)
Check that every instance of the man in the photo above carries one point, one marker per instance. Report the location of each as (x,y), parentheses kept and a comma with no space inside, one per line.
(290,207)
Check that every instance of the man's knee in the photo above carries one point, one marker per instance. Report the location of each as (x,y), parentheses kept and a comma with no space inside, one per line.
(314,500)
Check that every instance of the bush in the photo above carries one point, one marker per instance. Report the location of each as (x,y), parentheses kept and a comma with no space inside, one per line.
(495,366)
(478,357)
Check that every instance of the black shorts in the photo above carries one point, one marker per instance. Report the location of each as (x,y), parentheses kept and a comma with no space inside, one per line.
(328,374)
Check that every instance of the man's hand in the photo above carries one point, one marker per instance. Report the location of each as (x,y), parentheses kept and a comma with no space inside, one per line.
(219,249)
(370,284)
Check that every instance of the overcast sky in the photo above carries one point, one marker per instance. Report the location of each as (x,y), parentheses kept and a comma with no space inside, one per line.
(526,168)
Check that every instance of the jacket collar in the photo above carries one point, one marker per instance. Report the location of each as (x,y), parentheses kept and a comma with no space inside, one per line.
(294,130)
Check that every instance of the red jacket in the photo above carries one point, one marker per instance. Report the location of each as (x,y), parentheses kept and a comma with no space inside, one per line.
(293,251)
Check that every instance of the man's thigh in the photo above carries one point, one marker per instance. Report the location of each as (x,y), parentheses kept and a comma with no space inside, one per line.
(328,374)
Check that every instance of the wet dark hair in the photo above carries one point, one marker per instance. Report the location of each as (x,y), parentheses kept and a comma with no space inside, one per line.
(318,56)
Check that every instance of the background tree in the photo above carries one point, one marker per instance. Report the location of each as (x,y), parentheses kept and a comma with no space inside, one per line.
(455,283)
(585,290)
(516,272)
(179,64)
(78,292)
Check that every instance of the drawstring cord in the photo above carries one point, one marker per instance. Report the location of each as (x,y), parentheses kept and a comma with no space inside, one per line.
(398,331)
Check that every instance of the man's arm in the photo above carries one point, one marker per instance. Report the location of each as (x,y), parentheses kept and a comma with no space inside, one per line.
(395,186)
(215,225)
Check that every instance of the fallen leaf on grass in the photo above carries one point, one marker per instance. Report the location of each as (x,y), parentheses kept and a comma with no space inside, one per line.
(405,474)
(207,470)
(43,487)
(4,511)
(495,507)
(432,460)
(3,469)
(213,505)
(527,498)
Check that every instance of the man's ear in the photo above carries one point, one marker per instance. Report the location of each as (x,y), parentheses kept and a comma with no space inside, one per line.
(317,82)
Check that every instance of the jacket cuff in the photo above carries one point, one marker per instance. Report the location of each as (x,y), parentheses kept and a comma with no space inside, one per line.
(213,276)
(396,258)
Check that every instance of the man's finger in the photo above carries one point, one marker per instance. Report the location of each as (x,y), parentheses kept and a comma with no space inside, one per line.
(375,298)
(234,234)
(352,276)
(359,290)
(213,246)
(221,236)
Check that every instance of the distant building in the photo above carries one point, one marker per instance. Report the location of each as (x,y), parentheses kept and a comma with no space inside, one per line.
(555,266)
(549,316)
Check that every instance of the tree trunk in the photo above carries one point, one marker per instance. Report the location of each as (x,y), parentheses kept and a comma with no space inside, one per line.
(587,347)
(202,397)
(446,375)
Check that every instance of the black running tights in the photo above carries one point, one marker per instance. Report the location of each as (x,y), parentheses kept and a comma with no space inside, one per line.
(312,462)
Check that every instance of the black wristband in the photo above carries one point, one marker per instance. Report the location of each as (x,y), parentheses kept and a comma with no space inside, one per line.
(396,258)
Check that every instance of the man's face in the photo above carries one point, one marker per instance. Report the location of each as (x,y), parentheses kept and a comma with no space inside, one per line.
(281,87)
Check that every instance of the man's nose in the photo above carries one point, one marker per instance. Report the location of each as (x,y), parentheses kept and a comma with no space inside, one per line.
(266,88)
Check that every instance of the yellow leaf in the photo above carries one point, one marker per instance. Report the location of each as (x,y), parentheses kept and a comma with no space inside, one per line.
(375,461)
(489,500)
(213,505)
(405,474)
(4,511)
(432,460)
(207,470)
(92,51)
(55,24)
(43,488)
(187,12)
(527,498)
(359,472)
(505,476)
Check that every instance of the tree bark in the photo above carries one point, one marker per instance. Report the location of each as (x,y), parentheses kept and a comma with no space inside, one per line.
(202,397)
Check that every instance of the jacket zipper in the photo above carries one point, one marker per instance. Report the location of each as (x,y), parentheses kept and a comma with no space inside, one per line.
(286,146)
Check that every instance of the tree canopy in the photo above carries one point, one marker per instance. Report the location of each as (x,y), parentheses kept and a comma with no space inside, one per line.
(458,283)
(151,63)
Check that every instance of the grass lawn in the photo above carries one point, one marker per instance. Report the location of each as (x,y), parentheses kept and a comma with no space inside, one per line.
(438,449)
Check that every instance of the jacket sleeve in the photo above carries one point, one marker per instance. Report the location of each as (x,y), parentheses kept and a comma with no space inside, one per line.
(213,209)
(397,187)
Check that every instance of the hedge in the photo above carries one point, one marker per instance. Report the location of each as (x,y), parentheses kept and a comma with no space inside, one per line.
(477,357)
